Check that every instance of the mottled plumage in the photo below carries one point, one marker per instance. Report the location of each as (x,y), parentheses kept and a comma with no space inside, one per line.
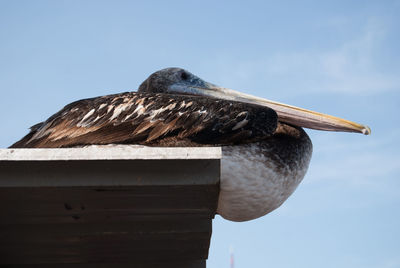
(152,119)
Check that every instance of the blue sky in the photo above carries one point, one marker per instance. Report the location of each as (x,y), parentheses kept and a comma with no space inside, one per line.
(336,57)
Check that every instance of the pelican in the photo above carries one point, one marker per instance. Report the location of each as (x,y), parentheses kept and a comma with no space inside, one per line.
(265,150)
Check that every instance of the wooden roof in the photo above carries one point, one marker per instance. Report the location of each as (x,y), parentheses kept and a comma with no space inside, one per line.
(106,206)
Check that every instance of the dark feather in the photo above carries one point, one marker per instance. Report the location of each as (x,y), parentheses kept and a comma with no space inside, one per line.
(152,119)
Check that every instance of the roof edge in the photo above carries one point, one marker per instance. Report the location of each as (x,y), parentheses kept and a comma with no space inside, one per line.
(110,152)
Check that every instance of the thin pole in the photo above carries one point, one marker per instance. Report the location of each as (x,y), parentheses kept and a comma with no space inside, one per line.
(232,260)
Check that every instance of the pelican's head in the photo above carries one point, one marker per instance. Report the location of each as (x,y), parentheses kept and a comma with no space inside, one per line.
(175,81)
(180,81)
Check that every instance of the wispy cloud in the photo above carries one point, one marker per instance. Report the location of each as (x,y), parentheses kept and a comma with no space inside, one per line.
(350,68)
(367,169)
(371,163)
(392,263)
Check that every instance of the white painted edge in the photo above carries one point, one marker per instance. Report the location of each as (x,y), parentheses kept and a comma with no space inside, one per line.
(111,152)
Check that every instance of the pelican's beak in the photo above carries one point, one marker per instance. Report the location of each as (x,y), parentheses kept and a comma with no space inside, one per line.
(286,113)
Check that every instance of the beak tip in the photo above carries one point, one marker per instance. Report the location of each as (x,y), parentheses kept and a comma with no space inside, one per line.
(366,130)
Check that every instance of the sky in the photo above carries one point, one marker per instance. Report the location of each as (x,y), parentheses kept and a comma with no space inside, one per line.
(335,57)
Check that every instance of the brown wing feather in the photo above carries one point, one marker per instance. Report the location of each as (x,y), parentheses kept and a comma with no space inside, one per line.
(152,119)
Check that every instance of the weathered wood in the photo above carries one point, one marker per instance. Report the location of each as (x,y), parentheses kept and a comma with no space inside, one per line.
(137,264)
(106,204)
(117,213)
(107,173)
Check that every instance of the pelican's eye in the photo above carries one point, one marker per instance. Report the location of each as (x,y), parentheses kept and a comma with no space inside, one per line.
(184,76)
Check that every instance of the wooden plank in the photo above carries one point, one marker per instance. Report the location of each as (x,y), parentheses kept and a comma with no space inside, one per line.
(85,204)
(108,173)
(177,230)
(110,152)
(136,264)
(114,255)
(122,242)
